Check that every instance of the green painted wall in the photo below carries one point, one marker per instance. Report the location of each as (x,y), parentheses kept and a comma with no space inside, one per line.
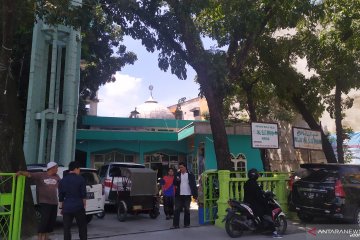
(237,144)
(105,146)
(147,142)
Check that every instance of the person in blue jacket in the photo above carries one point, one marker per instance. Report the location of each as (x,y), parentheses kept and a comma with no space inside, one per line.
(72,201)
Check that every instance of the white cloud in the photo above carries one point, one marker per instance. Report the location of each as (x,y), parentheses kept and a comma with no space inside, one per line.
(119,98)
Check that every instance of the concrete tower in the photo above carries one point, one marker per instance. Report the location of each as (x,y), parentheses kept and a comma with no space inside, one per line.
(53,97)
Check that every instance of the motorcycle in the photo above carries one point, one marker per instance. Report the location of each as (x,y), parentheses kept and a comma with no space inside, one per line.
(240,217)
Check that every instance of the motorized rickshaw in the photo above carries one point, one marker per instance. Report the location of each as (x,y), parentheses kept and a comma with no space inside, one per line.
(134,191)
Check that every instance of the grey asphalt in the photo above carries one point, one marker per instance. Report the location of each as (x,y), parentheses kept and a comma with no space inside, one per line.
(143,227)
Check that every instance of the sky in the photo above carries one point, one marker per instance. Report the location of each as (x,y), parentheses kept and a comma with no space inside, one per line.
(131,87)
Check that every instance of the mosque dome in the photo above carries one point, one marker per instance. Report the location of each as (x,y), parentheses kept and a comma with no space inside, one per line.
(152,109)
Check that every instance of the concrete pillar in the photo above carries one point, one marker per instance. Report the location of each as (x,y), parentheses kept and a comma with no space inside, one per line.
(224,179)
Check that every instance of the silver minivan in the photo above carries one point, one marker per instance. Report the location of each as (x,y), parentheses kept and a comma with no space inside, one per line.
(94,190)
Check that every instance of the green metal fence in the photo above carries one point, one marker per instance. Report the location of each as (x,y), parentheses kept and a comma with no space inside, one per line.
(220,186)
(11,205)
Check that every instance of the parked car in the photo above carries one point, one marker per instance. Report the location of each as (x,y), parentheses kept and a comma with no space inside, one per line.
(94,190)
(326,190)
(116,183)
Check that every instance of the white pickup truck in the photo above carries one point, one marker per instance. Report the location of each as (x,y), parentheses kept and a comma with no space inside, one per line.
(94,190)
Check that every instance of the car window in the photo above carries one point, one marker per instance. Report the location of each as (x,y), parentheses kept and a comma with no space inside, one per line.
(128,165)
(301,173)
(321,175)
(102,171)
(91,178)
(114,171)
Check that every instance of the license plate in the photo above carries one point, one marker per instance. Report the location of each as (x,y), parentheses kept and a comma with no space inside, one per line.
(90,195)
(137,207)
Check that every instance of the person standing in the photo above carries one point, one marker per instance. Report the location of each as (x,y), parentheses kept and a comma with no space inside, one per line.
(46,190)
(185,187)
(72,201)
(168,192)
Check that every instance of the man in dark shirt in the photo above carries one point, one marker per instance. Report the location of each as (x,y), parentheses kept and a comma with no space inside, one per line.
(72,200)
(185,187)
(254,196)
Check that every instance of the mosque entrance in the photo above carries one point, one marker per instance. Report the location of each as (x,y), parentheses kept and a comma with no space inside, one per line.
(161,162)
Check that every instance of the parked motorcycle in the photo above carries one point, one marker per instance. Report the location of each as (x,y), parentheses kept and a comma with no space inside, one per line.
(240,217)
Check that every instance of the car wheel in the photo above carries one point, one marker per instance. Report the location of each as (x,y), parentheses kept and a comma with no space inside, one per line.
(89,218)
(357,217)
(100,215)
(305,217)
(154,213)
(121,211)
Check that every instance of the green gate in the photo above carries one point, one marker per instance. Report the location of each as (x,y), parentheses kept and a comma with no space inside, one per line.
(11,205)
(220,186)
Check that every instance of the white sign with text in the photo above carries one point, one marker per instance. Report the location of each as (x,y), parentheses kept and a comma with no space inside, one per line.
(307,139)
(264,135)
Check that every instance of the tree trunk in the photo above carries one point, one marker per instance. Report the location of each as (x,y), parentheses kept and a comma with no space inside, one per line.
(253,118)
(215,104)
(11,120)
(338,124)
(309,119)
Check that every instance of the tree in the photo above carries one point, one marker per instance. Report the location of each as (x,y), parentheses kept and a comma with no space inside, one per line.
(17,21)
(102,54)
(333,52)
(11,120)
(257,59)
(170,27)
(176,29)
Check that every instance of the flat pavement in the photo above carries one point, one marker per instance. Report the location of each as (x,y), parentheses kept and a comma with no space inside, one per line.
(143,227)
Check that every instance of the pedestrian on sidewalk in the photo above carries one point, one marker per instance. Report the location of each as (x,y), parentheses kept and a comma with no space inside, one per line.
(168,192)
(46,191)
(185,187)
(72,198)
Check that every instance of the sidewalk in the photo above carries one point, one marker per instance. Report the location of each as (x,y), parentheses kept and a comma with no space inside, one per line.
(142,227)
(209,232)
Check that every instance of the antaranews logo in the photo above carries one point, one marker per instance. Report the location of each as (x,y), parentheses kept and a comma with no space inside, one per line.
(330,232)
(312,231)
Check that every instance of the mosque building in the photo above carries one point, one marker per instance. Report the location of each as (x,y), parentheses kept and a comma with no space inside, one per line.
(159,137)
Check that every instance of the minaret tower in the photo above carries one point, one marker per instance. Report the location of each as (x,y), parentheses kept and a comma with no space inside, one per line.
(53,94)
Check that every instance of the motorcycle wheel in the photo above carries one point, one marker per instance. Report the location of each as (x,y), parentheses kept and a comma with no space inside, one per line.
(233,229)
(281,225)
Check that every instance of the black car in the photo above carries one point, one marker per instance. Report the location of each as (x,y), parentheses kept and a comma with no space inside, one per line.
(326,190)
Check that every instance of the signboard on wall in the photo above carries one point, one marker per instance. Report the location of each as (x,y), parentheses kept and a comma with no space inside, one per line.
(264,135)
(307,139)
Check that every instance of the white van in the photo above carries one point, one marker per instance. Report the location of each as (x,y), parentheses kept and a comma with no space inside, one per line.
(94,190)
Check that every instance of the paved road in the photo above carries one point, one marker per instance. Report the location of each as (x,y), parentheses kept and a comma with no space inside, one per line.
(143,227)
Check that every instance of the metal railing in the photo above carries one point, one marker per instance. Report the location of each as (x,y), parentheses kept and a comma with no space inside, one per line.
(11,205)
(220,186)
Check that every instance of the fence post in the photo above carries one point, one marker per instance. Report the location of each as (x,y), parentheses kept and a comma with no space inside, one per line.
(224,179)
(18,208)
(282,191)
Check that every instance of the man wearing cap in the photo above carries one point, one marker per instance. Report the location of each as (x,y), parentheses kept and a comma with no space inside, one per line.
(46,190)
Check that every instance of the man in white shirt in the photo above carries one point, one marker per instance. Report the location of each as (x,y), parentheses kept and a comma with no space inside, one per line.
(185,187)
